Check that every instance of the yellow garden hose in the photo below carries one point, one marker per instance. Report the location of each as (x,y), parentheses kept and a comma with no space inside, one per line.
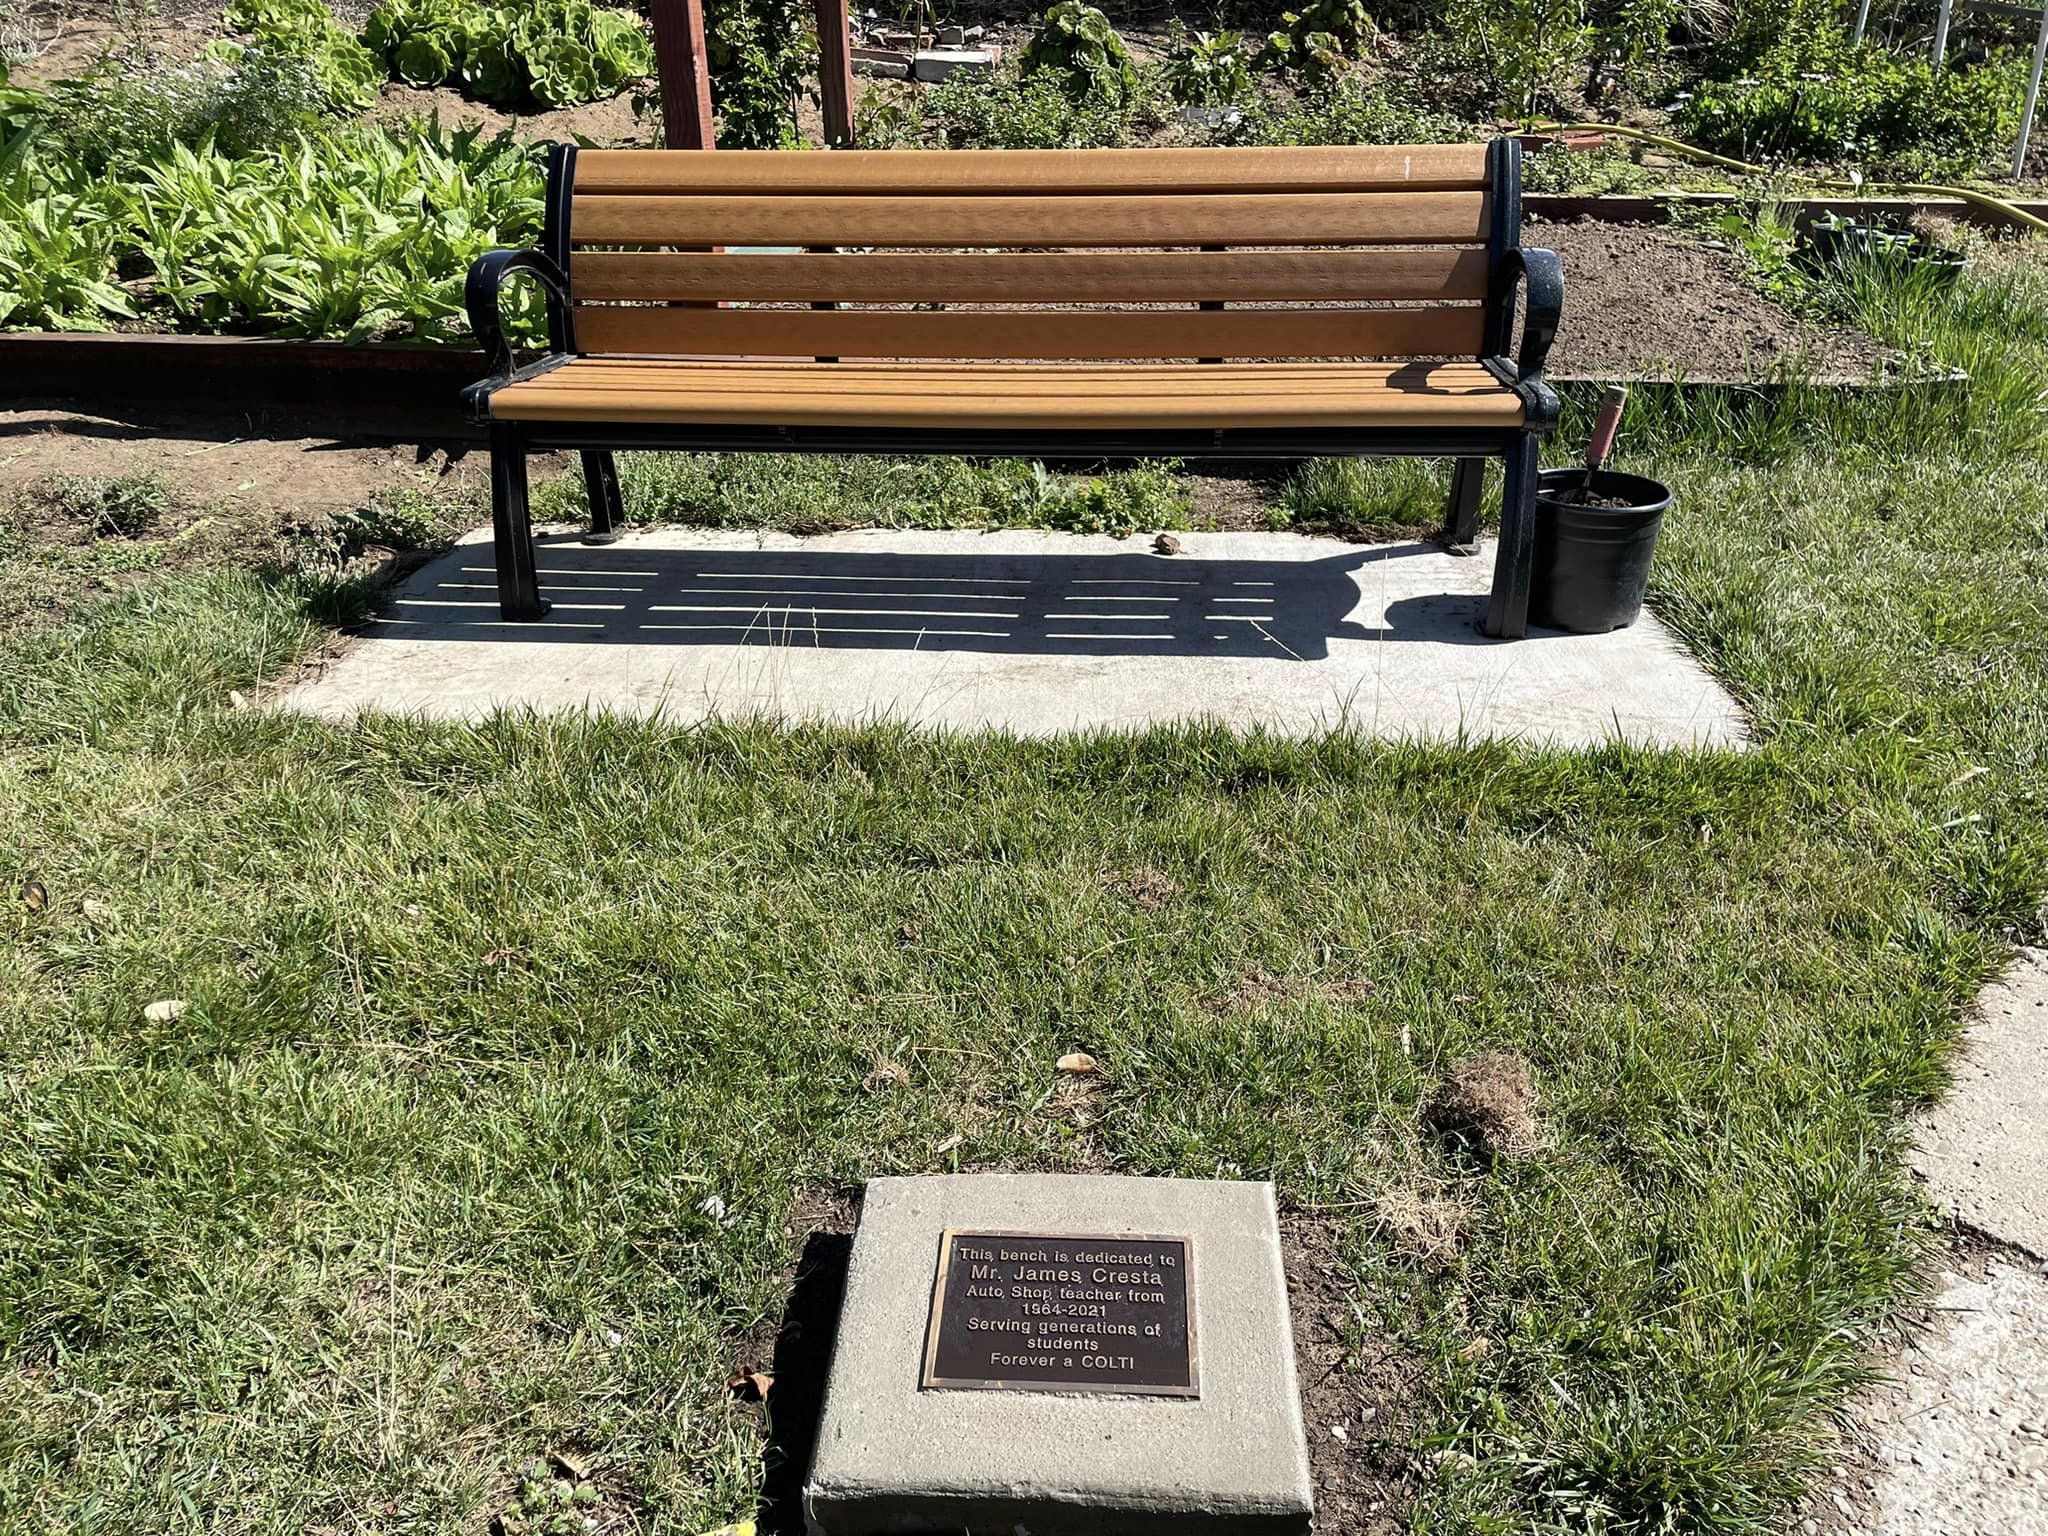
(1984,200)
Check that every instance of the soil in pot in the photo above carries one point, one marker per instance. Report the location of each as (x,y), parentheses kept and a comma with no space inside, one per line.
(1593,555)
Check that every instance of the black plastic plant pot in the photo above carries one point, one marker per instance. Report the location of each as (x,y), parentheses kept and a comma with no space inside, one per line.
(1592,562)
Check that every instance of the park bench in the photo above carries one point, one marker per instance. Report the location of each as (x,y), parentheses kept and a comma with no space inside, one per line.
(1258,303)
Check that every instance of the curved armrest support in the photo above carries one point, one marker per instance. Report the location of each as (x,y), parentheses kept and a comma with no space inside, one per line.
(1543,274)
(481,294)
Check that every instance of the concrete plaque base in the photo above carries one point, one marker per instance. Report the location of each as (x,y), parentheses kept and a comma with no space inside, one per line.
(893,1455)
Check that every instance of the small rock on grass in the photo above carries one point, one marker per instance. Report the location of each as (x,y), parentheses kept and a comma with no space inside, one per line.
(166,1010)
(1077,1062)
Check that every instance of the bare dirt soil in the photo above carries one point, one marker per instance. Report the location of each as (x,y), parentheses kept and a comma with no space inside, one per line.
(299,466)
(1641,301)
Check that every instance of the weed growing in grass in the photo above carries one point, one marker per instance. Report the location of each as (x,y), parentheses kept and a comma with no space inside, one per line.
(1363,498)
(111,508)
(803,493)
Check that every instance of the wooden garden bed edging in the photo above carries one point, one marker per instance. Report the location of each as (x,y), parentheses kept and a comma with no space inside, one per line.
(1656,207)
(380,388)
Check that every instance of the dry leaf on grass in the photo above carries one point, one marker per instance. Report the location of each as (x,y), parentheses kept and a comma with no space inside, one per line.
(166,1010)
(573,1464)
(1077,1062)
(749,1384)
(34,896)
(885,1074)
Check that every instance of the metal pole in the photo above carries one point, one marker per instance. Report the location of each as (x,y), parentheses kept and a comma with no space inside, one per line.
(835,73)
(1941,32)
(685,76)
(2019,155)
(1862,21)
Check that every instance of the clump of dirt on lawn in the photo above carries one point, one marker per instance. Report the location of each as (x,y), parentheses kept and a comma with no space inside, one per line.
(1488,1102)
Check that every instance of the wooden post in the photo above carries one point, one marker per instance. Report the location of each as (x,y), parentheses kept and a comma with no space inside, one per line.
(2019,154)
(685,76)
(835,73)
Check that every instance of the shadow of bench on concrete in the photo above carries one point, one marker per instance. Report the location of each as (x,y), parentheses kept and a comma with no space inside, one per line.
(1052,604)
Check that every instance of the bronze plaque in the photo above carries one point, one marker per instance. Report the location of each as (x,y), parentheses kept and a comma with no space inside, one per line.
(1050,1312)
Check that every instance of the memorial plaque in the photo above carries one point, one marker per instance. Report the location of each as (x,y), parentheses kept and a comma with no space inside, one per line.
(1052,1312)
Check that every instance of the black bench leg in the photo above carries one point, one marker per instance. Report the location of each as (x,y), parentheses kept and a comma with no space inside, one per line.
(512,528)
(1461,518)
(1514,562)
(607,504)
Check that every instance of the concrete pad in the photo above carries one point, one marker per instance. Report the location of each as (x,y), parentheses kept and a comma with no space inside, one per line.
(1033,633)
(893,1455)
(1984,1149)
(1961,1433)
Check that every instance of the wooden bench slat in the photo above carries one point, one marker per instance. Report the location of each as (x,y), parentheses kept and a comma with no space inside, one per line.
(633,376)
(1012,396)
(1340,218)
(1440,331)
(1418,167)
(1036,277)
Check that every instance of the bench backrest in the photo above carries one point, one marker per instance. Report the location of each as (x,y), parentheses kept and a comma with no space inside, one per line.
(1343,252)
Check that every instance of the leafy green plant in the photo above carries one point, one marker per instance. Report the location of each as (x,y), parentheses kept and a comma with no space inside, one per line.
(134,106)
(1528,52)
(1825,99)
(1349,111)
(547,53)
(362,233)
(1013,110)
(760,52)
(1209,69)
(348,74)
(1076,45)
(1319,39)
(108,507)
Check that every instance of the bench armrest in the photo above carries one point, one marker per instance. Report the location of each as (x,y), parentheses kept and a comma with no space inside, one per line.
(481,294)
(1543,274)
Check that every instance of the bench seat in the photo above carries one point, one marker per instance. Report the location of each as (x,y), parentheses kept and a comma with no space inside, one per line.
(1012,396)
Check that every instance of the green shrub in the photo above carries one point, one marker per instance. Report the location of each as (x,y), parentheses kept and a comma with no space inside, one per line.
(760,52)
(1828,100)
(1122,502)
(111,508)
(348,74)
(1011,110)
(1209,70)
(366,232)
(1348,111)
(1319,39)
(1530,53)
(132,107)
(547,53)
(1076,45)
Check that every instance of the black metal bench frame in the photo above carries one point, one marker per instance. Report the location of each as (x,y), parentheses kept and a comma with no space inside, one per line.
(1512,268)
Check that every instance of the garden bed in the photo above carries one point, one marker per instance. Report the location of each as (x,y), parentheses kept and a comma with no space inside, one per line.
(1647,302)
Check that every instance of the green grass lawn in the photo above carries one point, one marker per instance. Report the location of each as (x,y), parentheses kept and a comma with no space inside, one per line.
(511,1050)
